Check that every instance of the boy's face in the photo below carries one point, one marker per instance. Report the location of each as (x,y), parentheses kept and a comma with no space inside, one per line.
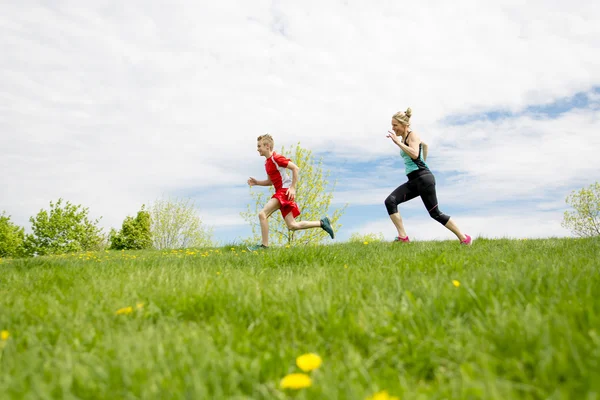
(262,148)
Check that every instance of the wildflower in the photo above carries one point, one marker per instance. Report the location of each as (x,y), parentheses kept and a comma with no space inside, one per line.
(456,283)
(308,362)
(218,272)
(139,306)
(365,242)
(124,310)
(4,335)
(383,395)
(296,381)
(345,265)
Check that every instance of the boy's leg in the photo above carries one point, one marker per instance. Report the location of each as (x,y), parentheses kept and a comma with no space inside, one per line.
(294,225)
(269,208)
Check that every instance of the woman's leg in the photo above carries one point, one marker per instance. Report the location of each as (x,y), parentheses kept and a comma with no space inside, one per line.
(402,193)
(426,186)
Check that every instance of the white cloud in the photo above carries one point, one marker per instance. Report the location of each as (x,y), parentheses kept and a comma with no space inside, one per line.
(115,103)
(223,217)
(508,225)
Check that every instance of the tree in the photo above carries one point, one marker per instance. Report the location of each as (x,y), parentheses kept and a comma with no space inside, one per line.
(11,238)
(65,228)
(135,233)
(176,225)
(585,220)
(313,196)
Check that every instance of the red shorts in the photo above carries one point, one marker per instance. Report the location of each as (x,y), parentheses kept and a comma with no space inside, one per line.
(287,205)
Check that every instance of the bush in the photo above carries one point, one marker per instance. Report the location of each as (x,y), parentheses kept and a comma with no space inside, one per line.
(11,238)
(64,229)
(135,233)
(369,237)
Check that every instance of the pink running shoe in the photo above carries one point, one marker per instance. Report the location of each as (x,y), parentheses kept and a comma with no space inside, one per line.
(467,241)
(404,239)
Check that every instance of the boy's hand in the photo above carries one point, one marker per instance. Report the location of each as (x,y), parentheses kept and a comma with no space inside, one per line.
(291,193)
(252,181)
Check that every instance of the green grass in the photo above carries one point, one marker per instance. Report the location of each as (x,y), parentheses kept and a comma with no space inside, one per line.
(524,322)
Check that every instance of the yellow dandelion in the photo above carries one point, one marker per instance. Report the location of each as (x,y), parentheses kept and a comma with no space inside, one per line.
(243,251)
(287,246)
(383,395)
(218,273)
(296,381)
(4,335)
(124,310)
(139,306)
(345,265)
(456,283)
(365,242)
(308,362)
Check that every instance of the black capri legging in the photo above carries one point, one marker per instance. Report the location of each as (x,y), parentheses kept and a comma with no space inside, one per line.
(423,184)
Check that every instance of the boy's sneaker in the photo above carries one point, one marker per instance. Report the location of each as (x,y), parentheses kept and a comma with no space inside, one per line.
(404,239)
(326,225)
(467,241)
(257,247)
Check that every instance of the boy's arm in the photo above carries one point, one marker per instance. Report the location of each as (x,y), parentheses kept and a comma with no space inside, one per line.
(295,173)
(253,182)
(291,192)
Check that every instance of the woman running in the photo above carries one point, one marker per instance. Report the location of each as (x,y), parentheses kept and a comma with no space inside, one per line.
(421,181)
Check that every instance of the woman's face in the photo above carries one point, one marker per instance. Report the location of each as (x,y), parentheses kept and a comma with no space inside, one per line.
(398,128)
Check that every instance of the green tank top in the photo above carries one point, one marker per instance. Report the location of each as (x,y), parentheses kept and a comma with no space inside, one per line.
(411,165)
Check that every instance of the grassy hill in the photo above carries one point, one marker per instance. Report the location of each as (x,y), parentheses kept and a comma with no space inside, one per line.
(503,319)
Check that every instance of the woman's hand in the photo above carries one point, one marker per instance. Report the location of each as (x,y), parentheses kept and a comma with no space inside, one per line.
(394,138)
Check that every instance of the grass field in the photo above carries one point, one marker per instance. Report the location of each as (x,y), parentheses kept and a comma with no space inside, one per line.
(503,319)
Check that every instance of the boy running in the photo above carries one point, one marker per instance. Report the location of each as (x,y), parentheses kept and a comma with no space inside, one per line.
(285,193)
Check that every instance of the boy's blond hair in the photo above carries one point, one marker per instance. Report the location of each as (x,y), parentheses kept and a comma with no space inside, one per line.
(266,138)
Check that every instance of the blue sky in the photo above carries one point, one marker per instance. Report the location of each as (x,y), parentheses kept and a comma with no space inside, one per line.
(112,105)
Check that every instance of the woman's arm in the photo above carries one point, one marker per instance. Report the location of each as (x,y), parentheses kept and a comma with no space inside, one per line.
(425,148)
(413,145)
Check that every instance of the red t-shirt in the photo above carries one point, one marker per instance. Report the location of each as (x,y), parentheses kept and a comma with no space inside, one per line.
(275,166)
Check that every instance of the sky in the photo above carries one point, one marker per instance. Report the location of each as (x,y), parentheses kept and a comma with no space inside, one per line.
(112,105)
